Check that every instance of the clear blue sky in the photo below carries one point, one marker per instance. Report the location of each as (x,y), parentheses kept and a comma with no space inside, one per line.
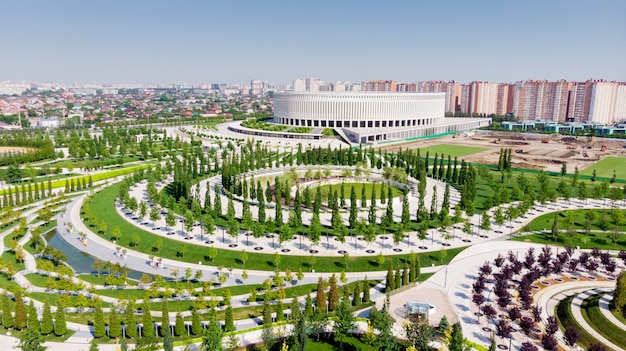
(141,41)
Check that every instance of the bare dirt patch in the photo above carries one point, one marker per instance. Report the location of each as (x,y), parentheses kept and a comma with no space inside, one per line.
(529,150)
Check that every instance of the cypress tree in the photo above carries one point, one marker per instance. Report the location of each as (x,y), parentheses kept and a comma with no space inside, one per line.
(168,341)
(90,181)
(456,338)
(20,311)
(308,307)
(320,299)
(179,327)
(333,296)
(98,323)
(412,270)
(50,187)
(619,294)
(267,313)
(196,326)
(47,326)
(390,282)
(356,300)
(229,323)
(398,279)
(60,327)
(129,320)
(165,317)
(147,329)
(280,311)
(115,328)
(366,291)
(7,317)
(33,320)
(405,275)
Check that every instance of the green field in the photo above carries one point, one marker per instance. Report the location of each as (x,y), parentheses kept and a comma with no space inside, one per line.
(605,167)
(358,187)
(102,204)
(452,150)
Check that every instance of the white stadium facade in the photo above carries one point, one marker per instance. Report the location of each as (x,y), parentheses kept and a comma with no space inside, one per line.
(370,117)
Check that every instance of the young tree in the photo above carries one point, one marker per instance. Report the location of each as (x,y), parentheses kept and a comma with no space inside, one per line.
(229,323)
(320,299)
(456,338)
(196,325)
(98,323)
(147,329)
(212,336)
(344,320)
(168,341)
(47,325)
(165,317)
(31,340)
(115,328)
(179,325)
(20,311)
(129,320)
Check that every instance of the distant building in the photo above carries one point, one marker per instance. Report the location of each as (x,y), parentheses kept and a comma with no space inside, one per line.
(366,117)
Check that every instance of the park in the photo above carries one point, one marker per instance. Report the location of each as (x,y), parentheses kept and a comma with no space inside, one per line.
(182,239)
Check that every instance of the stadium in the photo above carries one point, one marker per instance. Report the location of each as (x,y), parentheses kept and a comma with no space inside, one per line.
(369,117)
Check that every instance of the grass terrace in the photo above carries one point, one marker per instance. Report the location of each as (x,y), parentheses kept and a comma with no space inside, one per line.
(102,204)
(301,130)
(591,313)
(271,127)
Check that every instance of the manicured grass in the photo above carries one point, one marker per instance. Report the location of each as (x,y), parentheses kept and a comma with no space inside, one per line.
(102,204)
(7,284)
(601,240)
(485,190)
(605,167)
(358,188)
(452,150)
(36,279)
(101,280)
(52,299)
(9,256)
(591,313)
(566,319)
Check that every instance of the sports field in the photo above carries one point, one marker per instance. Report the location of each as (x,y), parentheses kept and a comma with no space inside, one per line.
(452,150)
(604,168)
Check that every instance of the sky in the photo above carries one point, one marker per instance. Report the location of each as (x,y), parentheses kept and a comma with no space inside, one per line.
(154,41)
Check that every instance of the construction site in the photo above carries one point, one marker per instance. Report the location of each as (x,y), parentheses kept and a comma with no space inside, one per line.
(533,151)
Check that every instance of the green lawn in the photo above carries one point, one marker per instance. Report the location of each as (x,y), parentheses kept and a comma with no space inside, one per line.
(601,240)
(102,204)
(605,167)
(591,313)
(52,299)
(452,150)
(101,280)
(566,319)
(358,188)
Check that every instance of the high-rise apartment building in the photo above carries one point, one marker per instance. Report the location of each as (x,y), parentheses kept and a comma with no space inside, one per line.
(380,85)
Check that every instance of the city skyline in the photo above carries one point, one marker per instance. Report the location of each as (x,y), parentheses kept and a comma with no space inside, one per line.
(197,42)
